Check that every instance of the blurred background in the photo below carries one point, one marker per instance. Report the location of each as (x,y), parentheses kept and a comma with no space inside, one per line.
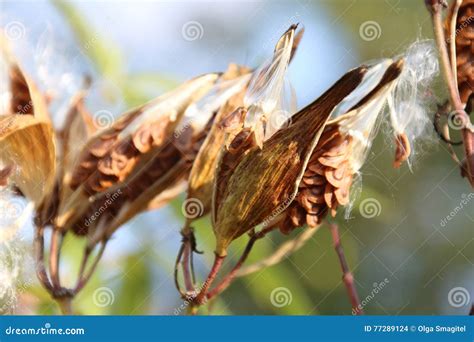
(398,232)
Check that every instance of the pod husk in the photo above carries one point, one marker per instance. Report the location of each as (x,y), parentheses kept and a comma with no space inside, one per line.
(267,179)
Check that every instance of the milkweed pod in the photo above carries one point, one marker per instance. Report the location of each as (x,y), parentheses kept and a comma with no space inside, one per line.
(260,181)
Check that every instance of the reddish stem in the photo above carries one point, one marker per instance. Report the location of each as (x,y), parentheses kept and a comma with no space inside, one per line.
(39,256)
(227,280)
(188,283)
(54,257)
(218,261)
(347,276)
(224,284)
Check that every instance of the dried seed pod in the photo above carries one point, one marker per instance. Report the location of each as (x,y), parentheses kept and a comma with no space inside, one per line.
(341,150)
(265,179)
(114,152)
(171,160)
(25,96)
(28,143)
(202,173)
(112,155)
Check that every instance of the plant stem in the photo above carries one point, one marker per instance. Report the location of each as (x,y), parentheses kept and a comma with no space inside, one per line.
(347,276)
(435,7)
(38,245)
(231,275)
(227,280)
(65,305)
(218,261)
(54,257)
(188,283)
(176,270)
(84,279)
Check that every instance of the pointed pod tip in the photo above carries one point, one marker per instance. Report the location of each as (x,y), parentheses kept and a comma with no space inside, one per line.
(399,63)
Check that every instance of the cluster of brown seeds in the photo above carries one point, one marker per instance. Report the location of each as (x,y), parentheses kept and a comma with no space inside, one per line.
(326,182)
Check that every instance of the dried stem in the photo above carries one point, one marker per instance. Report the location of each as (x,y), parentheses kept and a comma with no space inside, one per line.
(54,257)
(188,282)
(227,280)
(347,276)
(435,7)
(83,279)
(65,305)
(176,270)
(231,275)
(185,258)
(38,245)
(218,261)
(452,37)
